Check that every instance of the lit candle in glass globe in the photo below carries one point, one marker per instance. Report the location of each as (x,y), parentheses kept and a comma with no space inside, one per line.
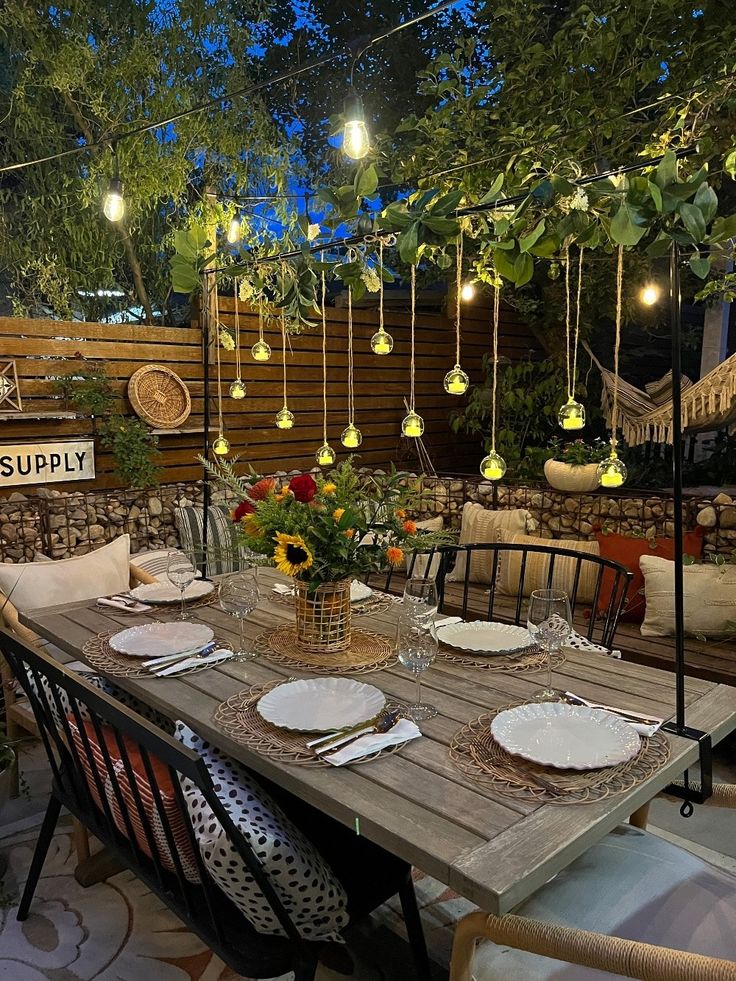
(612,471)
(456,381)
(467,291)
(221,446)
(284,418)
(493,466)
(381,342)
(237,389)
(351,437)
(412,425)
(325,455)
(571,415)
(260,351)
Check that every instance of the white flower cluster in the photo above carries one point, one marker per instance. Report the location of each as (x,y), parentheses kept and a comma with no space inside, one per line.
(371,279)
(226,340)
(575,202)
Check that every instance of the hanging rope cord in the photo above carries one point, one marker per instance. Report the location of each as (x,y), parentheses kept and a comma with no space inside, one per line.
(413,326)
(496,310)
(324,360)
(351,393)
(568,359)
(574,379)
(283,330)
(260,320)
(458,288)
(216,297)
(237,329)
(617,345)
(380,291)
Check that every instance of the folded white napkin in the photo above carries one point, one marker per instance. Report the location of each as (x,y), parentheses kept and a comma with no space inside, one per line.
(283,589)
(118,604)
(643,728)
(402,732)
(222,654)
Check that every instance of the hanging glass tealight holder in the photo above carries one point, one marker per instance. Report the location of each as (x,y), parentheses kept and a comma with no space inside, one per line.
(221,446)
(456,381)
(325,455)
(382,342)
(260,351)
(612,471)
(493,466)
(412,425)
(237,389)
(351,437)
(284,418)
(571,415)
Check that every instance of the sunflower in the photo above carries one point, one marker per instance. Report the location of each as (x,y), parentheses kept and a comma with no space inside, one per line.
(291,554)
(329,488)
(338,513)
(251,526)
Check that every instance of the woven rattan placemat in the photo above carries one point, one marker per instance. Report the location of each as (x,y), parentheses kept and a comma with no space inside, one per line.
(368,652)
(103,658)
(474,750)
(239,718)
(159,609)
(529,660)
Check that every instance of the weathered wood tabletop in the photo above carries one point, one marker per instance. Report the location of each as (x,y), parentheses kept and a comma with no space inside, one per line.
(493,850)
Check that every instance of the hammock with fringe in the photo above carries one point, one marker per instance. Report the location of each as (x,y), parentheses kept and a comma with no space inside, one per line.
(707,405)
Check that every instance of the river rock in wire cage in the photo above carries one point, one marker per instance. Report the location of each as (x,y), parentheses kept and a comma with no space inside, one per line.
(159,397)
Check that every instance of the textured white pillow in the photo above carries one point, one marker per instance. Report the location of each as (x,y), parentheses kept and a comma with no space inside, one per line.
(479,527)
(710,597)
(100,573)
(312,895)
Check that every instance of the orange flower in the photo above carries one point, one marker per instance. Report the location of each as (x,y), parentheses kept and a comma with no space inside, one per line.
(329,488)
(338,513)
(401,513)
(261,489)
(394,555)
(250,526)
(410,527)
(349,533)
(282,494)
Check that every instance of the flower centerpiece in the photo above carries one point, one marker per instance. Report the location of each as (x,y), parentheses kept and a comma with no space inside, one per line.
(325,531)
(574,465)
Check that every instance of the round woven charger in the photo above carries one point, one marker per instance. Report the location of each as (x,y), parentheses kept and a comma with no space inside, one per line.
(368,652)
(377,603)
(103,658)
(529,660)
(159,396)
(474,750)
(239,718)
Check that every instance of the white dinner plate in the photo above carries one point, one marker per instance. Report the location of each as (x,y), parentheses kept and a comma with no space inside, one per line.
(321,704)
(483,637)
(568,737)
(158,639)
(164,592)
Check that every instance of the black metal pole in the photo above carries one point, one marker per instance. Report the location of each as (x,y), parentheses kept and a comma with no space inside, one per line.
(208,283)
(676,330)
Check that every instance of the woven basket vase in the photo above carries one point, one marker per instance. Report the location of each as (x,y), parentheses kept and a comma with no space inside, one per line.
(323,617)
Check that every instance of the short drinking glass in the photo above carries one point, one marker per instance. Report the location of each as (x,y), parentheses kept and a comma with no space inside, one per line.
(181,571)
(550,624)
(239,596)
(416,649)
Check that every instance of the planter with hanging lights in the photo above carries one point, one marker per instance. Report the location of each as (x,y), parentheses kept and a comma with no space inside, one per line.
(412,425)
(493,465)
(456,380)
(571,416)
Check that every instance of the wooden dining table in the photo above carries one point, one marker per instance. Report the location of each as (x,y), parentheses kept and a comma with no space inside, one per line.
(492,849)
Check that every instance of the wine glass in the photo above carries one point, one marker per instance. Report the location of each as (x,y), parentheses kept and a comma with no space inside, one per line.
(239,596)
(550,624)
(181,571)
(416,649)
(420,600)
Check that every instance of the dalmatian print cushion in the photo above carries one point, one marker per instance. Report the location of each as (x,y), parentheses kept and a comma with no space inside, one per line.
(61,707)
(307,887)
(580,643)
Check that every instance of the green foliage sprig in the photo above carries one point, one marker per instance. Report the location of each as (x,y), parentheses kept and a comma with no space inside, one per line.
(578,453)
(134,450)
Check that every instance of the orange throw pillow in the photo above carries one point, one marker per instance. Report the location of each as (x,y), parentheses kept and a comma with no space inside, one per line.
(628,551)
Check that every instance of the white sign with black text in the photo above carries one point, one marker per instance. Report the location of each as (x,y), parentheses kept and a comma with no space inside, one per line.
(46,463)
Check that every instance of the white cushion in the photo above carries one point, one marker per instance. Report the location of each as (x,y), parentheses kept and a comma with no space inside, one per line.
(82,577)
(480,527)
(309,890)
(709,594)
(536,568)
(632,885)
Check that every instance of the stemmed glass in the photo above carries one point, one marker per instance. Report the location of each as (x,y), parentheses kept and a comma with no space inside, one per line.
(181,571)
(420,599)
(416,649)
(550,624)
(239,596)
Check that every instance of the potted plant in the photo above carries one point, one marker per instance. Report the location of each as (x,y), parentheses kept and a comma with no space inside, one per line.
(324,531)
(7,761)
(574,466)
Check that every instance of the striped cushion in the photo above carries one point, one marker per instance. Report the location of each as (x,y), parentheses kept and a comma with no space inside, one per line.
(660,391)
(481,526)
(223,552)
(154,563)
(536,569)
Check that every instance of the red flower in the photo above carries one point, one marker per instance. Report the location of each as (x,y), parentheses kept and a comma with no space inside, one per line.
(262,488)
(303,487)
(245,507)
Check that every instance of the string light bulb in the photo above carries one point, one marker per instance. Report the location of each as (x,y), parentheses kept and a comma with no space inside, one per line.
(221,446)
(237,389)
(571,415)
(456,381)
(284,418)
(260,351)
(649,295)
(412,425)
(612,471)
(382,342)
(467,291)
(493,466)
(234,230)
(355,141)
(351,437)
(325,455)
(113,204)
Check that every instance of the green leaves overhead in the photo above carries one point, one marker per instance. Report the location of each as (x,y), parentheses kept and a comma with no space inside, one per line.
(627,227)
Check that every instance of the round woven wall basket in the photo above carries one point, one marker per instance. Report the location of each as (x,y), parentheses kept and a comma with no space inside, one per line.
(159,396)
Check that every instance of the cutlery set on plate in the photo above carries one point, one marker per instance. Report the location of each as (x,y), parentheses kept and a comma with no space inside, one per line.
(168,649)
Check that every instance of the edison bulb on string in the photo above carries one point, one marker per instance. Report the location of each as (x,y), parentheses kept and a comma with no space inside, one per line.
(382,342)
(649,294)
(325,455)
(221,446)
(237,389)
(571,415)
(351,437)
(284,418)
(612,471)
(113,204)
(233,231)
(467,291)
(355,142)
(493,466)
(456,381)
(260,351)
(412,425)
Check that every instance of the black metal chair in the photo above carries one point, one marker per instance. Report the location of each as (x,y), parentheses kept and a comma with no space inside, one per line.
(82,728)
(418,563)
(464,596)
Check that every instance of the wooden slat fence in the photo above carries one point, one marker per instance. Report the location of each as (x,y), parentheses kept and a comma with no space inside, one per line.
(45,349)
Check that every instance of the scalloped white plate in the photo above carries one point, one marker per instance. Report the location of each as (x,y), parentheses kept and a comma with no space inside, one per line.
(164,592)
(567,737)
(158,639)
(321,704)
(482,637)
